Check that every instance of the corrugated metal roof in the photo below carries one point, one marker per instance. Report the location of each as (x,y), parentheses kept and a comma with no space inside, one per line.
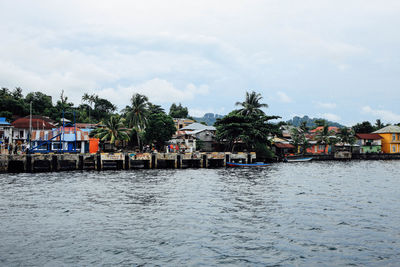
(198,126)
(3,121)
(389,129)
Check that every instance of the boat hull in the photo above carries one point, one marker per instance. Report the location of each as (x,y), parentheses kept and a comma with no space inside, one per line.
(232,164)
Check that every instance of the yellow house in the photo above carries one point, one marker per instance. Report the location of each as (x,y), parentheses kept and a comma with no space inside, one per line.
(180,123)
(391,139)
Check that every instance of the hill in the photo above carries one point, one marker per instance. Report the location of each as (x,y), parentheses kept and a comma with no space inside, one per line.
(209,118)
(296,121)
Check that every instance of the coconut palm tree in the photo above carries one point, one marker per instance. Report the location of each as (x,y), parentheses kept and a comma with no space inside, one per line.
(346,135)
(296,138)
(90,99)
(137,113)
(323,136)
(114,131)
(252,104)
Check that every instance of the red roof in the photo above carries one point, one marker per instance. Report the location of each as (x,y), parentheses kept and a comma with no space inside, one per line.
(369,136)
(281,145)
(330,128)
(36,124)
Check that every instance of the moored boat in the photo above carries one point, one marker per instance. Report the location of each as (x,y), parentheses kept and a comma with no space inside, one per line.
(298,160)
(257,164)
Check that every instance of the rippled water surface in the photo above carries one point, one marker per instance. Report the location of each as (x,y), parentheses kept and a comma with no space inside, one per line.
(318,213)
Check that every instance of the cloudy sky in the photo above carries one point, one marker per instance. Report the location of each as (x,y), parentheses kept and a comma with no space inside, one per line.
(337,59)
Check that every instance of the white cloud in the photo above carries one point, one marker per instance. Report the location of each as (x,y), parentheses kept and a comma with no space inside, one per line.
(326,105)
(199,112)
(158,91)
(385,115)
(330,116)
(283,97)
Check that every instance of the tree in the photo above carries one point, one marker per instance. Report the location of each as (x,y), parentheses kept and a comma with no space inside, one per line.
(137,114)
(346,136)
(41,103)
(250,130)
(364,127)
(178,111)
(379,125)
(323,136)
(103,108)
(114,131)
(321,122)
(90,100)
(296,137)
(160,129)
(304,127)
(12,103)
(252,104)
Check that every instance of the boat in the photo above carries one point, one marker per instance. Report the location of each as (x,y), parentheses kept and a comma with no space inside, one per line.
(298,160)
(257,164)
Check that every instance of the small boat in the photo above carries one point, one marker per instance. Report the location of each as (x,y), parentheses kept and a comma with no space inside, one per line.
(257,164)
(298,160)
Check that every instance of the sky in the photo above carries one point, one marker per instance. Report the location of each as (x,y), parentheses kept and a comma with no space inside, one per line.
(337,59)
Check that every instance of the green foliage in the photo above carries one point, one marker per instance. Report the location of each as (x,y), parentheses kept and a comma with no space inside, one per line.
(178,111)
(113,131)
(263,152)
(41,103)
(251,105)
(12,103)
(137,114)
(364,127)
(321,123)
(323,136)
(250,130)
(346,136)
(160,129)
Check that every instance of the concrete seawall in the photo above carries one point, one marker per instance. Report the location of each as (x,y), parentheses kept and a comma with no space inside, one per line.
(118,161)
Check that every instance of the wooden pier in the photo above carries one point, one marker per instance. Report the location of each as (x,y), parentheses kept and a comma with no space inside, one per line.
(119,161)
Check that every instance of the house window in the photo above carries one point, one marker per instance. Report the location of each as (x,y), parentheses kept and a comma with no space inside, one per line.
(393,137)
(56,146)
(21,134)
(394,148)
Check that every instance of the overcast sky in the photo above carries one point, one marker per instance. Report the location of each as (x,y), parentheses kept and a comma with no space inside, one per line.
(336,59)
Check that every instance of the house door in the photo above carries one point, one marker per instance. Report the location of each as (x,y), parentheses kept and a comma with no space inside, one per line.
(70,146)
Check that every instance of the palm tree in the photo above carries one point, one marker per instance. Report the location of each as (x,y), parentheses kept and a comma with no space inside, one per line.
(113,131)
(90,99)
(346,135)
(252,104)
(296,137)
(136,114)
(323,136)
(305,143)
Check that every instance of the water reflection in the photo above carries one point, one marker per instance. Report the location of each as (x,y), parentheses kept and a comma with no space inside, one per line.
(320,213)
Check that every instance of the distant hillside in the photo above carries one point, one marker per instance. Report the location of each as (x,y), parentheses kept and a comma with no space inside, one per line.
(296,121)
(209,118)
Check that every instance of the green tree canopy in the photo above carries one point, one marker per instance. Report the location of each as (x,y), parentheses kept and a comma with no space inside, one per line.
(178,111)
(160,129)
(114,130)
(252,104)
(364,127)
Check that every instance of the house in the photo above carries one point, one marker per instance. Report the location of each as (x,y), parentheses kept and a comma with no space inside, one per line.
(330,128)
(23,125)
(5,131)
(390,139)
(181,123)
(282,147)
(63,139)
(187,137)
(369,142)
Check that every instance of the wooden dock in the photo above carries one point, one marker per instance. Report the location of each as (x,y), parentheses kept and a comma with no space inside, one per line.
(119,161)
